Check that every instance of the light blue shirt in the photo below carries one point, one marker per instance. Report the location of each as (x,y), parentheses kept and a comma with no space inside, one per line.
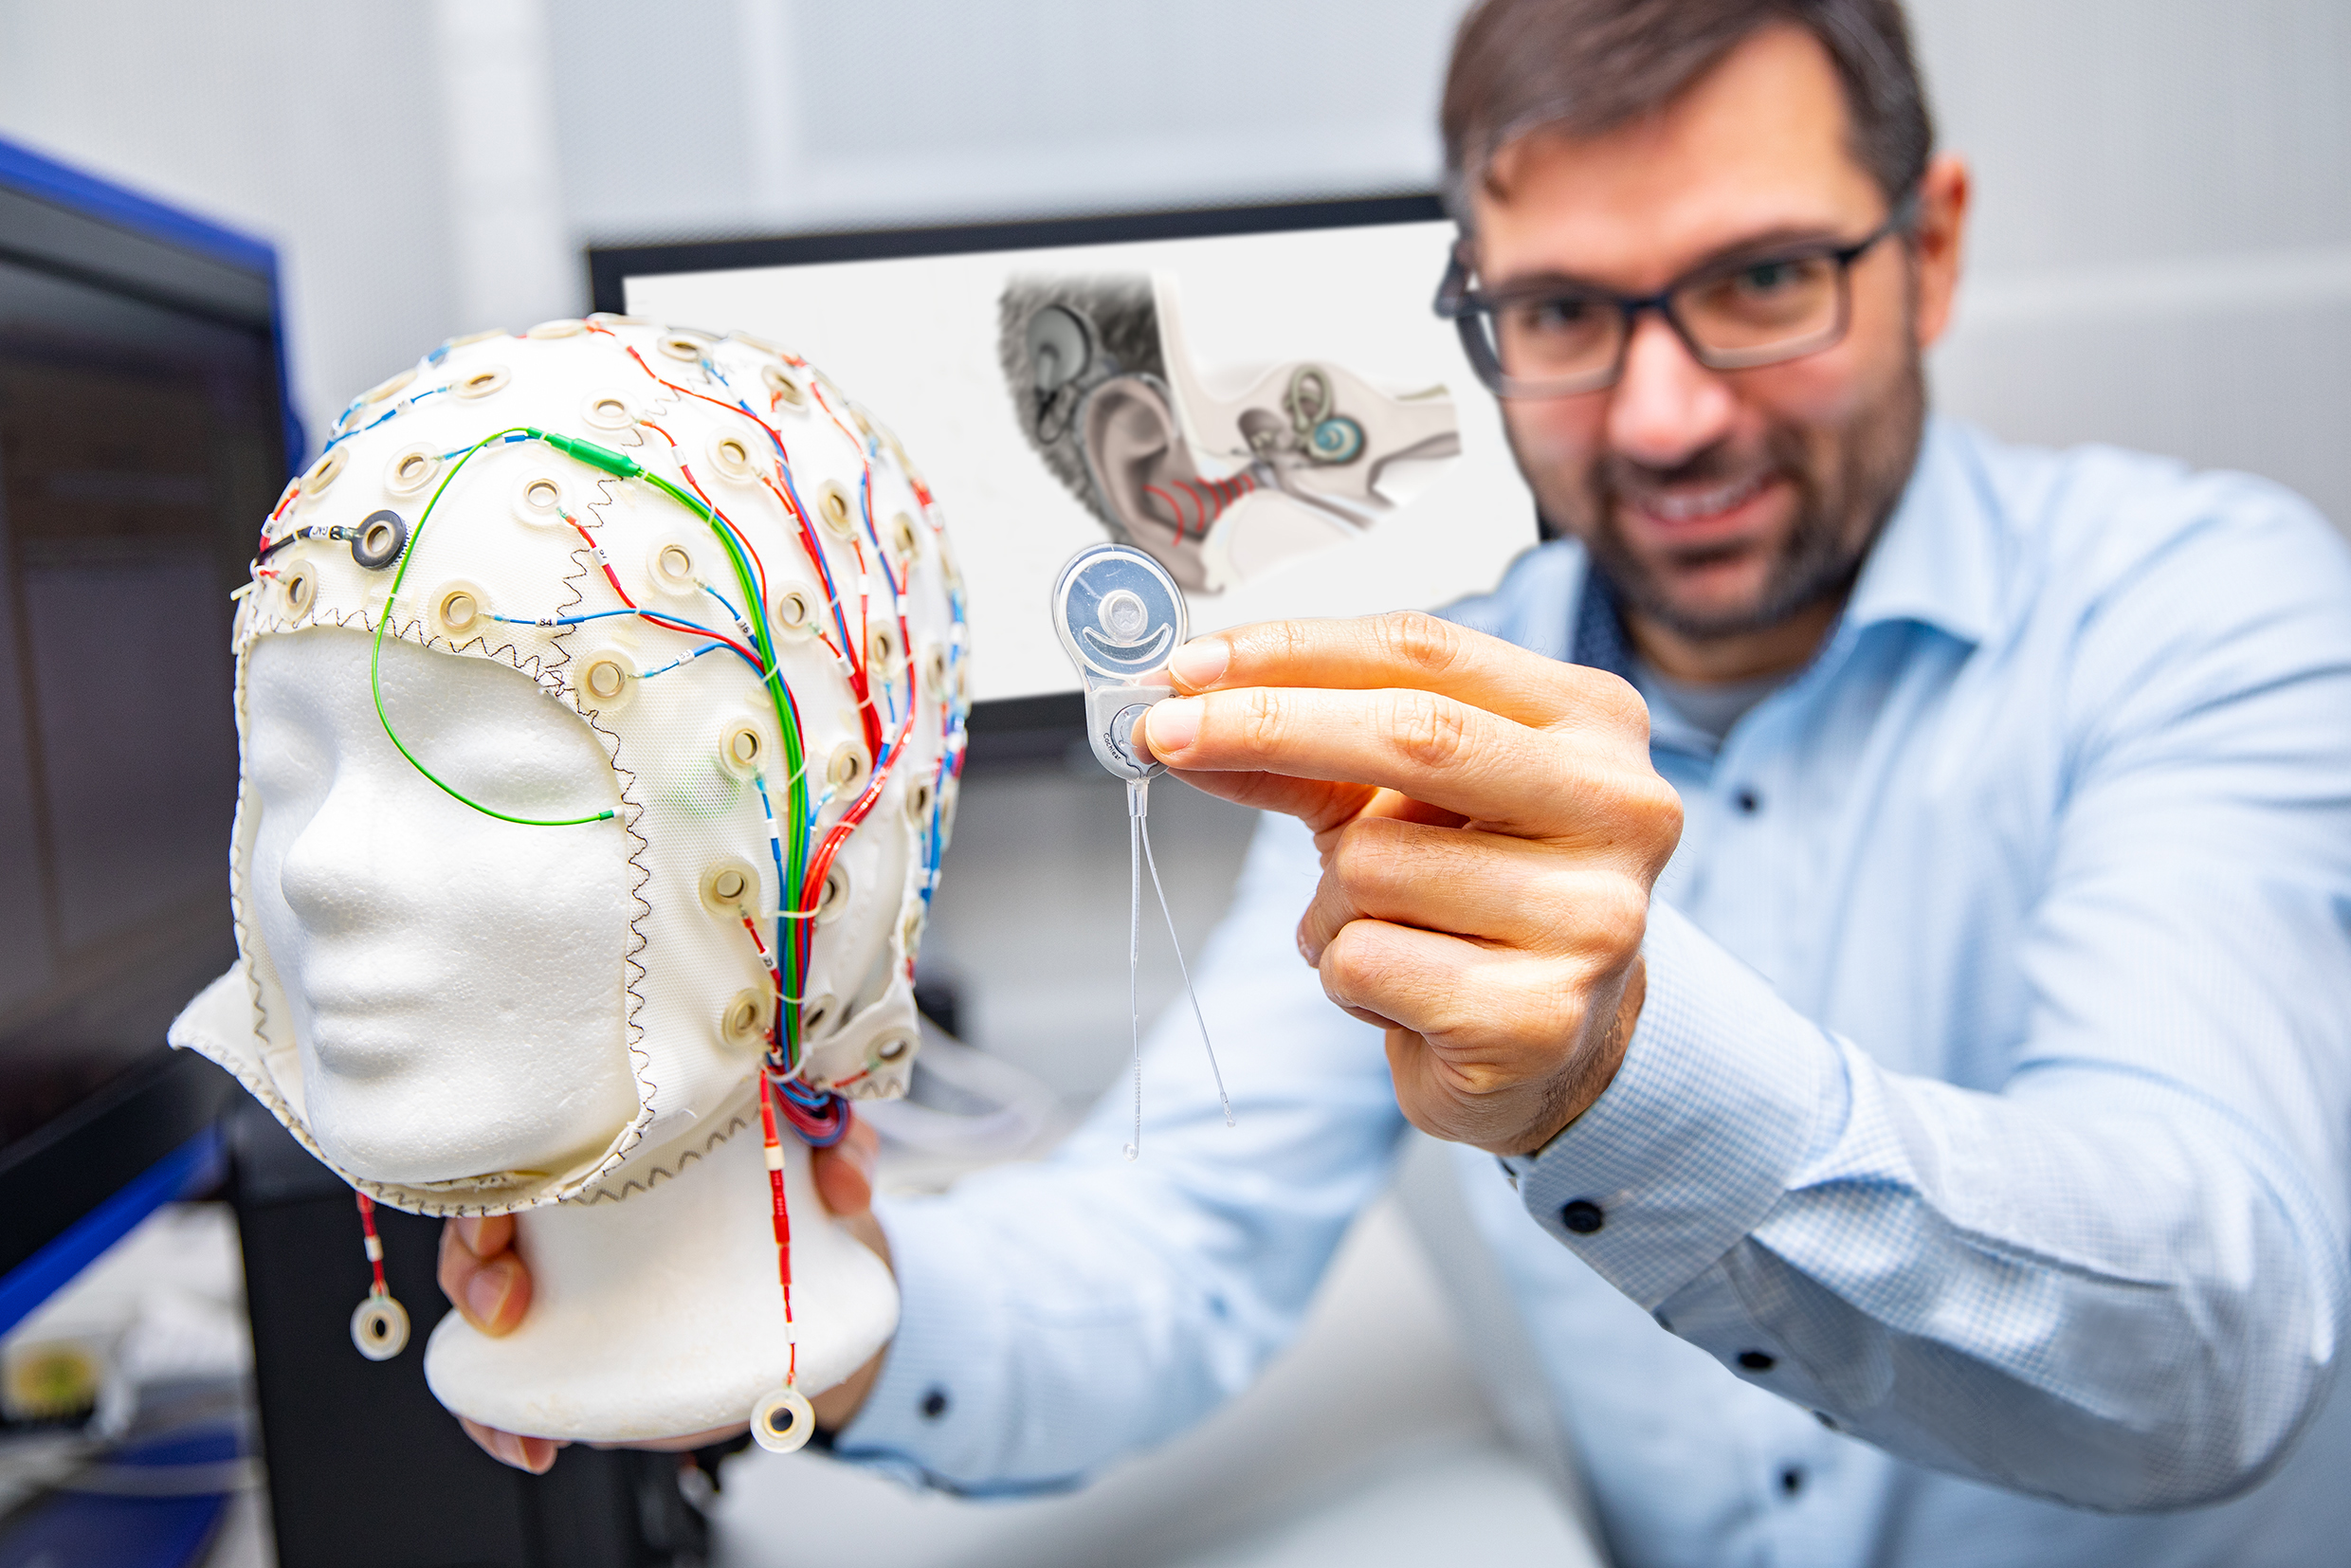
(1978,1161)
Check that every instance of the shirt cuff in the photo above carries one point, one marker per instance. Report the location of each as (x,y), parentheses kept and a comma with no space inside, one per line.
(1724,1093)
(934,1412)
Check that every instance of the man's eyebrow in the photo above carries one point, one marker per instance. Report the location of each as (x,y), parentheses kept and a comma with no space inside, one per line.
(1752,246)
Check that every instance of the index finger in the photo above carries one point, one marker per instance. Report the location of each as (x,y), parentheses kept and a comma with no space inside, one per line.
(1435,750)
(1411,651)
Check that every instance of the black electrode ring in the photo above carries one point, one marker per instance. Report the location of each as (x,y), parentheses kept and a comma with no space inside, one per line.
(379,538)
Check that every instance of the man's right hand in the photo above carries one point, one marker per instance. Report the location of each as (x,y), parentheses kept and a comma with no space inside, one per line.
(488,1284)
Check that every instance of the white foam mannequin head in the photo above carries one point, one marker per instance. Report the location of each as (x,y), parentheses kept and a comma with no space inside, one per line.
(503,865)
(420,1061)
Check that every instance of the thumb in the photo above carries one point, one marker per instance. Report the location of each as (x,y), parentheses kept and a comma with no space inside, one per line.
(844,1173)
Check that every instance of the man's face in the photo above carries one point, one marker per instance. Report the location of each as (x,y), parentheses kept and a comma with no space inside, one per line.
(1722,502)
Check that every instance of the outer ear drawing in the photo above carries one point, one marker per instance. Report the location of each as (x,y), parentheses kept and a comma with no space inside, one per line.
(1142,468)
(1217,477)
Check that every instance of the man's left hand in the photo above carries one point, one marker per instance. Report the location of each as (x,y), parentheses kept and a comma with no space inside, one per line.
(1490,827)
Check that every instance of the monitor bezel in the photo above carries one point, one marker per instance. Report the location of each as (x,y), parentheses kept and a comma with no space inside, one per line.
(71,1187)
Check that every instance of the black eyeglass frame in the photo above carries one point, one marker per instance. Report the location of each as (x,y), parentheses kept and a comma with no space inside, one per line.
(1461,304)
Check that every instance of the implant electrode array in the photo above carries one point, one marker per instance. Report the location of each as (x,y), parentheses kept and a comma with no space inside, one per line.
(736,578)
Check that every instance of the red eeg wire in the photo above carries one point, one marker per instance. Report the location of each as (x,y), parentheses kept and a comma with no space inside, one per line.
(813,883)
(773,1148)
(374,1243)
(865,502)
(868,715)
(596,553)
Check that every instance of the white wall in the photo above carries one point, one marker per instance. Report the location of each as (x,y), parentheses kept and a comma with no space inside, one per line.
(2164,253)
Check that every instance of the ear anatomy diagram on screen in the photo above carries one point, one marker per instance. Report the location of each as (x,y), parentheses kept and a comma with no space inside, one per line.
(1217,475)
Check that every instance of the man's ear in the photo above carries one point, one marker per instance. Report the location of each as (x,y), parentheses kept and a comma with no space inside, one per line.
(1936,241)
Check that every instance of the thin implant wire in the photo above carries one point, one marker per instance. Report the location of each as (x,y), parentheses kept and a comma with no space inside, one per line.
(1144,824)
(1137,856)
(1135,953)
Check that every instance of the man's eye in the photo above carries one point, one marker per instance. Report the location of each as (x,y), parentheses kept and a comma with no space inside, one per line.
(1768,277)
(1562,313)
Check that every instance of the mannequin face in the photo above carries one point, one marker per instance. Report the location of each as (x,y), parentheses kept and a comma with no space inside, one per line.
(456,981)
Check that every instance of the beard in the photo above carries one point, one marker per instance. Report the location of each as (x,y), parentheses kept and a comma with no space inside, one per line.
(1847,481)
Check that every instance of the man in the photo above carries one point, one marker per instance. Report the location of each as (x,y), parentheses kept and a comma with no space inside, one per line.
(1916,1029)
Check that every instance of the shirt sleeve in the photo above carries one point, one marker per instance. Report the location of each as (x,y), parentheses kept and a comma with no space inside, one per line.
(1057,1315)
(2119,1280)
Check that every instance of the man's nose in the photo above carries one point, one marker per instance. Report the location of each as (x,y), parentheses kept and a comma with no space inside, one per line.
(1667,408)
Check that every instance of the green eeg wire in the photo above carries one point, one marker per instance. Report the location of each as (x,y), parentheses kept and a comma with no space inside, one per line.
(620,466)
(375,659)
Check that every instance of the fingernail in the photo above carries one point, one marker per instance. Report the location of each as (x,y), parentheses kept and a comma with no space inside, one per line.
(485,1294)
(1172,725)
(469,1234)
(1199,661)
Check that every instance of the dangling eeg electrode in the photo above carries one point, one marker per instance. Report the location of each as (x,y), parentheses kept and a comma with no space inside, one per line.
(379,1324)
(1119,615)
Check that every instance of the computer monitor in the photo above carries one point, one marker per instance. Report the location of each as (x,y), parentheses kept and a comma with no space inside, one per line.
(1263,397)
(144,432)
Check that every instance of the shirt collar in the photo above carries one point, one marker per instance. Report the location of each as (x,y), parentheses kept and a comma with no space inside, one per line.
(1936,563)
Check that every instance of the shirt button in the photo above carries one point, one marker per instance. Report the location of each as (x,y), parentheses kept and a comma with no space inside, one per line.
(1757,1360)
(1748,801)
(1583,1216)
(1791,1481)
(934,1404)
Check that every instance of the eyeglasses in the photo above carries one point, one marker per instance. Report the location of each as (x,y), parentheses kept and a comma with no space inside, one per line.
(1556,337)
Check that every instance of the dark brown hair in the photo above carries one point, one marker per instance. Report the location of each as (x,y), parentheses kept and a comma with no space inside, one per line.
(1585,66)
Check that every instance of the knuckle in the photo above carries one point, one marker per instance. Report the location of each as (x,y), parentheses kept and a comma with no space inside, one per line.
(1604,703)
(1658,812)
(1259,722)
(1350,963)
(1481,1080)
(1619,702)
(1419,641)
(1621,913)
(1364,857)
(1426,730)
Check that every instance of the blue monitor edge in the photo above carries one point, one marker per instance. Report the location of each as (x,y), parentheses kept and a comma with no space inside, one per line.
(99,286)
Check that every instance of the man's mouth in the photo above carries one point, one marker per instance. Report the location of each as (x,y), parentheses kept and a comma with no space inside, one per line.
(1682,505)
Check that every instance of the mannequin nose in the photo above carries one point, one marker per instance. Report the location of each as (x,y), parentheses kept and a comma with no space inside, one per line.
(1665,408)
(327,877)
